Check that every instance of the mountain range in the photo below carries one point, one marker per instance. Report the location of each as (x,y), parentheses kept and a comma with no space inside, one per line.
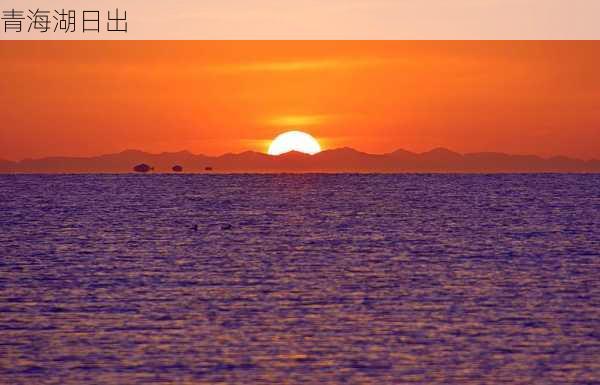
(335,160)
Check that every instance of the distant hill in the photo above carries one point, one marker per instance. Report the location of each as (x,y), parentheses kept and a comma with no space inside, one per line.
(337,160)
(6,166)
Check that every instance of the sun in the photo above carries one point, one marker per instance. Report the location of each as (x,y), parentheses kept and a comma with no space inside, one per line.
(294,141)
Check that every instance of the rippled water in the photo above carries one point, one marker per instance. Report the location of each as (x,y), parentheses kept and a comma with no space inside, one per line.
(300,279)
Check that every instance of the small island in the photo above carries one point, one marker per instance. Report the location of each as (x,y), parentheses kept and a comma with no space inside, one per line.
(177,168)
(143,168)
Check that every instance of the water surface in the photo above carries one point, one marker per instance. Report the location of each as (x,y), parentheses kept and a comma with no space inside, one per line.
(300,279)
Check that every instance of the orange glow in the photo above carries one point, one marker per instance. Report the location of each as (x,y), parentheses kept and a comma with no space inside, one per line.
(212,97)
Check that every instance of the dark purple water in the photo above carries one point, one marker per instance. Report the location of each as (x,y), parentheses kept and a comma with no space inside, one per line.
(300,279)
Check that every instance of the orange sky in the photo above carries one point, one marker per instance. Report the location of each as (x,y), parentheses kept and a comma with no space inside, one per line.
(87,98)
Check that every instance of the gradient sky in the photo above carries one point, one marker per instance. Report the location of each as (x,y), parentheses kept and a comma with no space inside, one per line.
(88,98)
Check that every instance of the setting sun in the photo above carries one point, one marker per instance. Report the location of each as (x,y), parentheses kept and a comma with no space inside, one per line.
(294,141)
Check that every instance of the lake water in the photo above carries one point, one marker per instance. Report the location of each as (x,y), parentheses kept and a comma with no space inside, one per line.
(300,279)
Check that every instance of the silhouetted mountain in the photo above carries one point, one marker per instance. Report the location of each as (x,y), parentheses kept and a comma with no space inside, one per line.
(6,165)
(337,160)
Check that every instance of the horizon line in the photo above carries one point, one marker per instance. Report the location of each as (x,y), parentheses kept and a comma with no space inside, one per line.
(297,152)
